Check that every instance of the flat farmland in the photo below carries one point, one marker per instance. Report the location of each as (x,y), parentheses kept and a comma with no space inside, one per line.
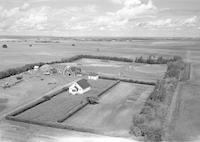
(59,106)
(19,53)
(187,122)
(113,115)
(93,116)
(133,71)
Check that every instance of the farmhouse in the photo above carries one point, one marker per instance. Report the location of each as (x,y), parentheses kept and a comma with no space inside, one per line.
(79,87)
(93,76)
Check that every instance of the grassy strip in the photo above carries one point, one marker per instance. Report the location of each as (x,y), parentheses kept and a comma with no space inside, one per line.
(50,124)
(73,111)
(83,104)
(185,74)
(18,70)
(45,98)
(128,80)
(110,87)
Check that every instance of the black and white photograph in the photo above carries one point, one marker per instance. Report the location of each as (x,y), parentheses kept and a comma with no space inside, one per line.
(99,70)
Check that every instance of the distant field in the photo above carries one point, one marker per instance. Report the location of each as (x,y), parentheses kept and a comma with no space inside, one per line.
(19,53)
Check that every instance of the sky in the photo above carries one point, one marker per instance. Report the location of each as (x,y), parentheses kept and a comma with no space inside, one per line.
(129,18)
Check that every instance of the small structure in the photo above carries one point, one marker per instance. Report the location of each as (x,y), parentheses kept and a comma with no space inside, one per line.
(79,87)
(47,69)
(72,70)
(93,76)
(36,68)
(92,100)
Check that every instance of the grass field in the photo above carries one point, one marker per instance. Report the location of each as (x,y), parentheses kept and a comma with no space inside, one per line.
(133,71)
(59,106)
(113,114)
(187,122)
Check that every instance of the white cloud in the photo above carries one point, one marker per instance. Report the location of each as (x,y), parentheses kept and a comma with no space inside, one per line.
(134,8)
(159,23)
(190,21)
(177,23)
(33,19)
(131,9)
(132,14)
(25,6)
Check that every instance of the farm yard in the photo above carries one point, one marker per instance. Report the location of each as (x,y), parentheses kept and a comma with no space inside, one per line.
(135,71)
(113,113)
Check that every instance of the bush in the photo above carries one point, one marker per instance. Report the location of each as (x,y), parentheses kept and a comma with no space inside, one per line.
(154,60)
(5,46)
(154,134)
(138,119)
(19,77)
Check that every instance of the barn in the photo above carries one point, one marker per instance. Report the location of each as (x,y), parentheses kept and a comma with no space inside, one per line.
(79,87)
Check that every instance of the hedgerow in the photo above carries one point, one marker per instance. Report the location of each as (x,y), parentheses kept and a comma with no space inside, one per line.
(152,116)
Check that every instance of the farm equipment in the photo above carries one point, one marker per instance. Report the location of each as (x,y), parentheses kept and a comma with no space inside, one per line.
(92,100)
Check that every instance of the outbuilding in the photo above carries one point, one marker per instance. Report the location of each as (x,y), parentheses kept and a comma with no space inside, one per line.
(79,87)
(93,76)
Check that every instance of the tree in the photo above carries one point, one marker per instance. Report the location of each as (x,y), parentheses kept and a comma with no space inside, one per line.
(5,46)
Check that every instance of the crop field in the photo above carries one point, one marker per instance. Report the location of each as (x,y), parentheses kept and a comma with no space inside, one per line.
(59,106)
(113,114)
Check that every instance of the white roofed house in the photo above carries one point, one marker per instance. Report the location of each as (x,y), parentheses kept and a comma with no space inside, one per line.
(93,76)
(79,87)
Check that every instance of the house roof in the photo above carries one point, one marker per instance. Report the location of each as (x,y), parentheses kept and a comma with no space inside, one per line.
(93,74)
(83,83)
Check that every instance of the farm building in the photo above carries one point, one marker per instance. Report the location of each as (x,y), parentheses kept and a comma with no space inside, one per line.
(79,87)
(71,70)
(93,76)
